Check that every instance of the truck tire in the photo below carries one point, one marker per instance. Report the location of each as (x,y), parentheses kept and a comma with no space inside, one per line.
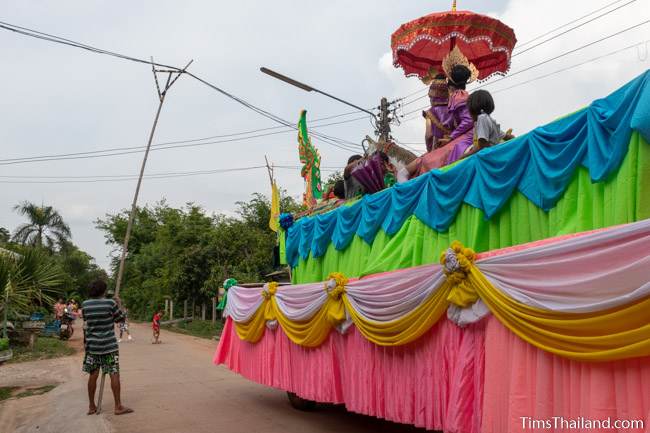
(300,403)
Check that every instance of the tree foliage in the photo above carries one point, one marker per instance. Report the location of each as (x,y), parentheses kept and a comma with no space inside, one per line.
(45,226)
(186,254)
(4,236)
(28,279)
(79,270)
(47,235)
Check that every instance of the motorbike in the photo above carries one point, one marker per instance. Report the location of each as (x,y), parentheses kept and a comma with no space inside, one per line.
(66,330)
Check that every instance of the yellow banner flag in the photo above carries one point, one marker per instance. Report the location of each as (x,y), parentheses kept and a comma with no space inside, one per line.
(274,221)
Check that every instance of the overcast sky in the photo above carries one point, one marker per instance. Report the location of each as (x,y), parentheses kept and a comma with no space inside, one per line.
(56,99)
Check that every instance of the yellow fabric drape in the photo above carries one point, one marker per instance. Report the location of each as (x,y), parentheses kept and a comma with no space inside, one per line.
(616,333)
(308,333)
(313,332)
(253,330)
(407,328)
(612,334)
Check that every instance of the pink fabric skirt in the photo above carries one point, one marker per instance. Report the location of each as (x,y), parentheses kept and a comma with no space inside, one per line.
(481,378)
(444,155)
(434,159)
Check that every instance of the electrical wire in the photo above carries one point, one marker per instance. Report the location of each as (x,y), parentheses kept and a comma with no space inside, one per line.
(154,147)
(611,53)
(573,28)
(128,177)
(528,42)
(60,40)
(521,45)
(566,53)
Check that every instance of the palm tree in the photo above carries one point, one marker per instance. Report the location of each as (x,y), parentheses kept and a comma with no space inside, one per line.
(45,226)
(26,279)
(4,235)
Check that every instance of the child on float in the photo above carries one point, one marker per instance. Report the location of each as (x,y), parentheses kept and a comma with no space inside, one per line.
(487,131)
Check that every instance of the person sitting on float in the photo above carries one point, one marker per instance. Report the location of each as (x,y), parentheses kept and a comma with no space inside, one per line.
(353,187)
(459,73)
(438,119)
(487,131)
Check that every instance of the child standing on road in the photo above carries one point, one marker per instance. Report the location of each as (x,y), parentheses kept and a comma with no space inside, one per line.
(156,327)
(124,326)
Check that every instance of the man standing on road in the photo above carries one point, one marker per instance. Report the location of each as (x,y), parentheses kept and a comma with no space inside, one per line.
(100,314)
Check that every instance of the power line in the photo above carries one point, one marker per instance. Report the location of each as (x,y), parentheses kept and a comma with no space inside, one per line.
(270,128)
(138,149)
(122,178)
(521,45)
(573,28)
(128,177)
(60,40)
(528,42)
(611,53)
(566,53)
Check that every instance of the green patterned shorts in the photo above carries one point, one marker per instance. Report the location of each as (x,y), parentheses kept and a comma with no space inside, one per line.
(109,363)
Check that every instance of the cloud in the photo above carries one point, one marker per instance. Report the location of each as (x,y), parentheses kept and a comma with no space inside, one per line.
(530,105)
(58,99)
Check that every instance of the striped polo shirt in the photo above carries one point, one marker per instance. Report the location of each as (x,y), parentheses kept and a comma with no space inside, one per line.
(99,317)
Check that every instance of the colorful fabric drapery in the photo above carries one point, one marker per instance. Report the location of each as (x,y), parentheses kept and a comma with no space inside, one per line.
(583,297)
(584,206)
(227,284)
(477,379)
(540,165)
(310,158)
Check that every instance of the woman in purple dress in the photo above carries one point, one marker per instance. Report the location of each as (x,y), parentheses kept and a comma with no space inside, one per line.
(461,136)
(438,120)
(451,146)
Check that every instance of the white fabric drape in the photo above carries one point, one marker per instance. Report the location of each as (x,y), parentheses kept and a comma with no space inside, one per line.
(582,273)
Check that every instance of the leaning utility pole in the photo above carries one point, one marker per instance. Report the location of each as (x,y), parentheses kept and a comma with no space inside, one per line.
(161,97)
(383,124)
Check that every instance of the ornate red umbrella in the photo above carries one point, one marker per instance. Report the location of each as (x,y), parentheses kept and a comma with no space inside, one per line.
(419,46)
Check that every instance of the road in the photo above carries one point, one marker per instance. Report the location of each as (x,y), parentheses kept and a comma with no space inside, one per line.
(173,388)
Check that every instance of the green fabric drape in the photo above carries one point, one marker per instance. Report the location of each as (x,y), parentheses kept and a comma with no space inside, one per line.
(623,198)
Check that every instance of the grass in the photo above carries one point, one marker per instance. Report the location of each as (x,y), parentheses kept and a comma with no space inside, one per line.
(44,348)
(197,328)
(7,392)
(35,391)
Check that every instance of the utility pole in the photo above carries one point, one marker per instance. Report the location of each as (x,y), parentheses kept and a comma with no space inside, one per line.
(269,169)
(383,124)
(161,97)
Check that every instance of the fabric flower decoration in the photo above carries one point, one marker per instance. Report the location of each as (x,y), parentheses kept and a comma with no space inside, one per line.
(229,283)
(286,220)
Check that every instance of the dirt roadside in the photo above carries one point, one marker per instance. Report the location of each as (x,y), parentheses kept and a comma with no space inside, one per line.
(174,388)
(55,411)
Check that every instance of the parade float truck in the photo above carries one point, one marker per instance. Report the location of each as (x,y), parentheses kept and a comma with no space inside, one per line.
(509,289)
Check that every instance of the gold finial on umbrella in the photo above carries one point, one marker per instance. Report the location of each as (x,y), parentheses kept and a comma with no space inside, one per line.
(453,6)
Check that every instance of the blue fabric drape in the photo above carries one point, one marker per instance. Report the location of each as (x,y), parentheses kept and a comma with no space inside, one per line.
(539,164)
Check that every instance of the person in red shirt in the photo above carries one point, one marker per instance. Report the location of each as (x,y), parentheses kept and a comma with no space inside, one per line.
(156,327)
